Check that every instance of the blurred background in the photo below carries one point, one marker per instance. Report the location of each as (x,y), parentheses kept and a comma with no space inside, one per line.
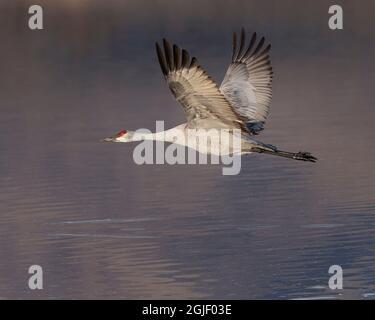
(103,227)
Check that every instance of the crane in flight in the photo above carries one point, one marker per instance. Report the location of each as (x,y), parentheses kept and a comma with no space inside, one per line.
(241,102)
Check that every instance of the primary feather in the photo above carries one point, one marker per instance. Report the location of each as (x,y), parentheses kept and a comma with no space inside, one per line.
(247,84)
(204,104)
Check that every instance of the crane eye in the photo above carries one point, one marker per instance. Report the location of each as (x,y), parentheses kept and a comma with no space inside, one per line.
(121,133)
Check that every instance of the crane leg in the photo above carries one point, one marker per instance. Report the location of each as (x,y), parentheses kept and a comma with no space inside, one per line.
(303,156)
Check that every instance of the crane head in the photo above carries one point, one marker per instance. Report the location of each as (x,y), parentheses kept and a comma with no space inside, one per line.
(122,136)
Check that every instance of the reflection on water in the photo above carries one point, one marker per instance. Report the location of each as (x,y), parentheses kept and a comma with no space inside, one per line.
(103,227)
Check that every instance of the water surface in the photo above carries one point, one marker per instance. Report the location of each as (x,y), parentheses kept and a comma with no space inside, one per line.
(103,227)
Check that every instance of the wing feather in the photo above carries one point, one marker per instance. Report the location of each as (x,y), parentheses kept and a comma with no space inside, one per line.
(204,105)
(168,54)
(247,84)
(176,55)
(185,59)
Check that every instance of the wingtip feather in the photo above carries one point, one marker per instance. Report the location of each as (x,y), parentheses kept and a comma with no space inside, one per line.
(161,59)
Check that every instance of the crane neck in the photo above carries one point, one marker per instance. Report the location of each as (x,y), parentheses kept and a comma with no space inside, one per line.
(167,135)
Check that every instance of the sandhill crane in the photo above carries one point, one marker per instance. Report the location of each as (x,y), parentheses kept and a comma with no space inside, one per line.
(241,102)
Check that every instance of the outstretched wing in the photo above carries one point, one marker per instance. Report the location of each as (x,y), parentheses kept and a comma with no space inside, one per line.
(247,84)
(204,105)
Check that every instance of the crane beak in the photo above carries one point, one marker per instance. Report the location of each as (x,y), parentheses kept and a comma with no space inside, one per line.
(107,140)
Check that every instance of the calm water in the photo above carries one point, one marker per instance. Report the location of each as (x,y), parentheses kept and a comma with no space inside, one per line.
(103,227)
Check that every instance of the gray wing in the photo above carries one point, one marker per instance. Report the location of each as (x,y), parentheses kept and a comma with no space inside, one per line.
(204,105)
(247,84)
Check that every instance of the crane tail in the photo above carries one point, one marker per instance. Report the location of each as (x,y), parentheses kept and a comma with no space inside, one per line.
(302,156)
